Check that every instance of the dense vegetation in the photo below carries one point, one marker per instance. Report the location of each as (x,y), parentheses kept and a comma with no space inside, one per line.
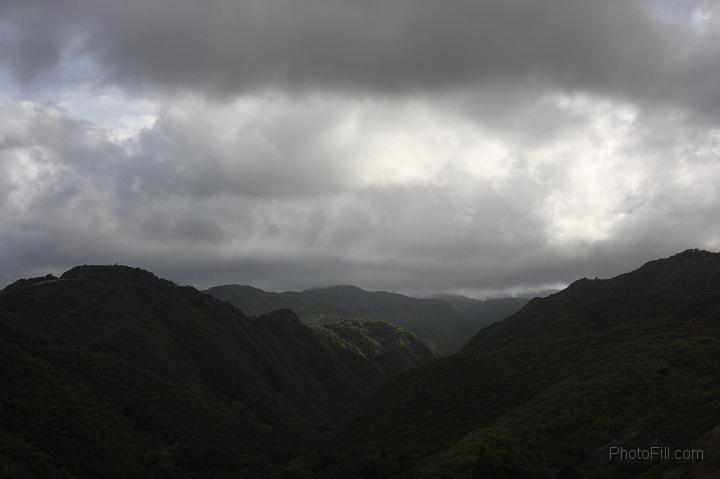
(392,348)
(112,372)
(633,361)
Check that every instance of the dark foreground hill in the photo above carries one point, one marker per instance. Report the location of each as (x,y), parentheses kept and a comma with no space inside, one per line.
(632,362)
(112,372)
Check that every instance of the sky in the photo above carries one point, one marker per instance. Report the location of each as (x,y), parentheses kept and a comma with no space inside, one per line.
(481,147)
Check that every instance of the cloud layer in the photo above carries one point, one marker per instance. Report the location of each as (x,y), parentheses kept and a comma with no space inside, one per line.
(482,147)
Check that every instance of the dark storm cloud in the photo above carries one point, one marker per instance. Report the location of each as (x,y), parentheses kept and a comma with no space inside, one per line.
(227,46)
(421,146)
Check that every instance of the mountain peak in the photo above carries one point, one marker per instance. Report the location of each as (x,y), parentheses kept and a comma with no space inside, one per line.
(234,286)
(696,253)
(108,273)
(337,288)
(21,283)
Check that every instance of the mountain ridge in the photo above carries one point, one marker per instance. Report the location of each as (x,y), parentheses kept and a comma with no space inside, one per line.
(111,371)
(443,326)
(629,361)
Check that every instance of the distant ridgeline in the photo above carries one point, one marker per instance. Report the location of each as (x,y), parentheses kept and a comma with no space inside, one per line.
(444,323)
(111,372)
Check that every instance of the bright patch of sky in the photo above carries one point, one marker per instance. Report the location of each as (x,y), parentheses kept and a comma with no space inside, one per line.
(81,94)
(123,116)
(684,12)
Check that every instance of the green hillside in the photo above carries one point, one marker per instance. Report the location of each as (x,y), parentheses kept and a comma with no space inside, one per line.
(432,320)
(632,361)
(391,348)
(112,372)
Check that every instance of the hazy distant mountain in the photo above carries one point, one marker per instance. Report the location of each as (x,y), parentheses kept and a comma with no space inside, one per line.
(394,349)
(482,313)
(112,372)
(253,301)
(430,319)
(434,321)
(632,361)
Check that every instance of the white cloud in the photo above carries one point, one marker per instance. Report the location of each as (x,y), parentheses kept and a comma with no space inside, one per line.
(394,193)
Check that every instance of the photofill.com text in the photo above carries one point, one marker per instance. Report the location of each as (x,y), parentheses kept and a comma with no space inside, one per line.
(655,453)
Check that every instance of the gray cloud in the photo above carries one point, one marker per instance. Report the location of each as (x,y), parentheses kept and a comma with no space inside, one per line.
(227,46)
(484,147)
(73,195)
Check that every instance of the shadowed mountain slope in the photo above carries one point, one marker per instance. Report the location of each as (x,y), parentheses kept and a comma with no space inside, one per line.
(112,372)
(632,361)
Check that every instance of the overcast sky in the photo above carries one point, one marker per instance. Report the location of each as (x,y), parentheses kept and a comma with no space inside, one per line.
(483,147)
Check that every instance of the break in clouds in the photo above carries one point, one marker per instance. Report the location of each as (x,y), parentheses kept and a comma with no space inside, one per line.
(494,147)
